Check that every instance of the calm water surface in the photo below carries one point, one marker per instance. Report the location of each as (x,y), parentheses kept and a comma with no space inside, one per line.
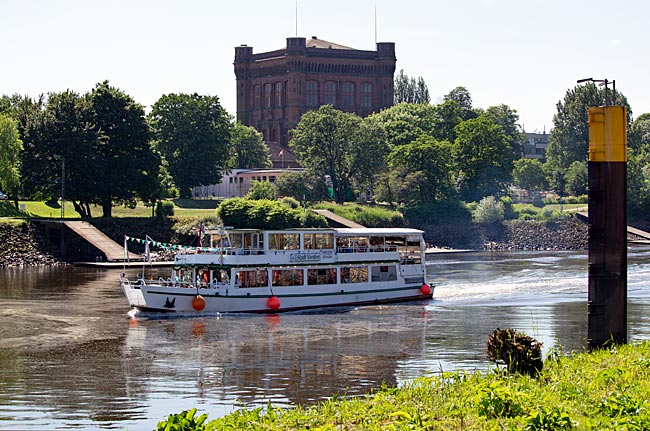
(70,357)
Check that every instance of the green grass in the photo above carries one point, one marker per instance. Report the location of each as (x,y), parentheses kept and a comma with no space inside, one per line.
(608,389)
(366,215)
(39,209)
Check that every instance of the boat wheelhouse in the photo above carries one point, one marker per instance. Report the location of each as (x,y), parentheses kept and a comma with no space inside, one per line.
(247,270)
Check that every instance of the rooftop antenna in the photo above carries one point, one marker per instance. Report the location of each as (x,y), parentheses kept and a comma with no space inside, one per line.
(296,18)
(375,24)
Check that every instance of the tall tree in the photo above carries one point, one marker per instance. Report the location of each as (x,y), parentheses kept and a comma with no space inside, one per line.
(405,122)
(420,172)
(507,118)
(62,133)
(569,140)
(192,132)
(529,174)
(464,99)
(483,158)
(247,149)
(331,142)
(10,149)
(126,165)
(639,133)
(410,90)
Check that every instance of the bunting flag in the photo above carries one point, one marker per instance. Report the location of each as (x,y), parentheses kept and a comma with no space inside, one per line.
(166,246)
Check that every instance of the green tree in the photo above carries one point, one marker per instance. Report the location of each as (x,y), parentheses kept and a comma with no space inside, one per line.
(483,158)
(261,190)
(10,149)
(420,172)
(192,132)
(62,133)
(576,178)
(638,136)
(638,183)
(529,174)
(507,118)
(569,140)
(447,116)
(410,90)
(332,142)
(405,122)
(301,186)
(125,164)
(247,149)
(464,99)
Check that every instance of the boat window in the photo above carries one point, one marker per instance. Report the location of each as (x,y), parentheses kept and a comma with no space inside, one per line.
(252,278)
(353,244)
(383,273)
(321,276)
(284,241)
(377,244)
(411,254)
(319,241)
(354,274)
(288,277)
(395,243)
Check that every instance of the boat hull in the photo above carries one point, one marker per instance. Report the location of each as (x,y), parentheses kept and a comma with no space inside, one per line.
(159,298)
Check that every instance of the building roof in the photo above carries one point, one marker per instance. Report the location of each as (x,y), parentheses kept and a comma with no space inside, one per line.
(315,42)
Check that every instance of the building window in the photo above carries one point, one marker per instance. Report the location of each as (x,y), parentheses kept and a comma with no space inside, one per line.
(347,95)
(329,96)
(312,93)
(366,95)
(267,95)
(257,94)
(278,94)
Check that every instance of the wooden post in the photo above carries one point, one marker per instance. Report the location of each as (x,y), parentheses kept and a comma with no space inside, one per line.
(607,298)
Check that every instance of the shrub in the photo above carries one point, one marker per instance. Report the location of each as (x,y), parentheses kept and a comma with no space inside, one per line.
(489,211)
(261,190)
(164,209)
(264,214)
(509,211)
(290,202)
(521,353)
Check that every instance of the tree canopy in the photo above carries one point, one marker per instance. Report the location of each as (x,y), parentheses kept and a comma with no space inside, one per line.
(408,89)
(192,132)
(329,142)
(10,149)
(247,149)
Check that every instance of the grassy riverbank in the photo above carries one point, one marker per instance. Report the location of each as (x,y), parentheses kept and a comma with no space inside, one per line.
(609,389)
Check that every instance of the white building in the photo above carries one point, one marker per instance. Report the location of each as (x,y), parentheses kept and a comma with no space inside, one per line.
(237,183)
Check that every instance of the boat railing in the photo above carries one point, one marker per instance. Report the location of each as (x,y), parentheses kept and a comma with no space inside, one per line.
(168,282)
(241,251)
(365,249)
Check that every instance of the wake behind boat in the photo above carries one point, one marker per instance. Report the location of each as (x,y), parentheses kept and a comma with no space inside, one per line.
(247,270)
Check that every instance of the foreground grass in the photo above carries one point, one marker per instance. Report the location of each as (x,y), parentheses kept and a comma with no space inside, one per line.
(603,390)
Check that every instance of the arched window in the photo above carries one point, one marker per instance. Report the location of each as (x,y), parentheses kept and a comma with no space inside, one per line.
(312,93)
(366,95)
(267,95)
(257,95)
(347,95)
(329,95)
(278,94)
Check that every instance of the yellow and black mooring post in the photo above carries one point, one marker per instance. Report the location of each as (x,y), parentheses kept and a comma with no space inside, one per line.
(607,300)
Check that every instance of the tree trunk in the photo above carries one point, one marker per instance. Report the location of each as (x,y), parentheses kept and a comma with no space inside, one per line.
(78,207)
(107,208)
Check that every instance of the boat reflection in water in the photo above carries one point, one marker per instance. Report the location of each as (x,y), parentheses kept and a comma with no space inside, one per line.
(231,361)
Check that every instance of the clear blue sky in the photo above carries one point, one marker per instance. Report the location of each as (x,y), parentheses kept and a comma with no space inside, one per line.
(524,53)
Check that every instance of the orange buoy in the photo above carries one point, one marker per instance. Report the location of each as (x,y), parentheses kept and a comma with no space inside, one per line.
(425,289)
(273,303)
(198,303)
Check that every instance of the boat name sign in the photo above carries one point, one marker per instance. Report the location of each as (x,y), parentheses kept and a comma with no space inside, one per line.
(305,257)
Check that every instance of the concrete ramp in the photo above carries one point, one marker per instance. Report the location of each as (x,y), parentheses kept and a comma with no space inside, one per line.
(631,230)
(112,250)
(336,220)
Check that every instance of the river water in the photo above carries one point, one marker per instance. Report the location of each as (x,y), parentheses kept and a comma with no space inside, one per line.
(71,358)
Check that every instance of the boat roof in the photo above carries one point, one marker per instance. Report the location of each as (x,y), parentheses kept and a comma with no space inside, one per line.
(377,231)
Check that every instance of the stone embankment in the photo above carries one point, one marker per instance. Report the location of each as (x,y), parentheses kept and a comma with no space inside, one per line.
(23,244)
(568,234)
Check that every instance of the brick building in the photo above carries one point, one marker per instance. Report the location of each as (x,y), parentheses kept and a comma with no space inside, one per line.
(275,88)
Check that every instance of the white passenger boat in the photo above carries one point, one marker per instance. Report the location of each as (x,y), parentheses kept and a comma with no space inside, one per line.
(244,270)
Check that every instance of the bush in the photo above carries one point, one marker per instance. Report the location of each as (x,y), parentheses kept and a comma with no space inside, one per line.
(290,202)
(521,353)
(435,212)
(509,212)
(164,209)
(489,211)
(264,214)
(369,216)
(261,190)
